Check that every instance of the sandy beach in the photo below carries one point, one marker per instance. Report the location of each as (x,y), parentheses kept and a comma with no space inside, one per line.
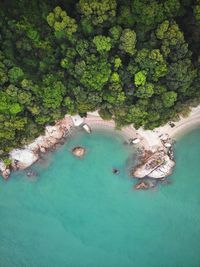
(150,139)
(183,125)
(95,122)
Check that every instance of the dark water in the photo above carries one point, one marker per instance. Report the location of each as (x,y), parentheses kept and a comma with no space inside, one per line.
(77,213)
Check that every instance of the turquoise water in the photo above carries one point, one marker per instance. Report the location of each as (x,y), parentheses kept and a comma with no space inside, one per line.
(77,213)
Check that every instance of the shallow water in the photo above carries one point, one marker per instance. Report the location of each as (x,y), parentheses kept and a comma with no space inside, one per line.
(77,213)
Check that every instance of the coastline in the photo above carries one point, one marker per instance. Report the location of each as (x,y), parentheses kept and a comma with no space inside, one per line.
(96,122)
(183,125)
(152,141)
(23,158)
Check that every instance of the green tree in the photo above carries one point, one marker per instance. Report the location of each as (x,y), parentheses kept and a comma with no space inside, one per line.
(173,45)
(93,73)
(145,91)
(102,43)
(136,61)
(115,77)
(117,62)
(196,10)
(115,33)
(169,98)
(15,74)
(140,78)
(152,62)
(128,41)
(52,95)
(97,12)
(63,25)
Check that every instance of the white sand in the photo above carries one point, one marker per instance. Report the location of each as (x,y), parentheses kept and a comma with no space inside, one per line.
(150,140)
(183,125)
(95,121)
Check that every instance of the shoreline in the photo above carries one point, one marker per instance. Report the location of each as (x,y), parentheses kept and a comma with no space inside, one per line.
(96,122)
(148,140)
(183,125)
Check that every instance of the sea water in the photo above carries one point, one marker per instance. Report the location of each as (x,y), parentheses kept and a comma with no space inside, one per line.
(77,213)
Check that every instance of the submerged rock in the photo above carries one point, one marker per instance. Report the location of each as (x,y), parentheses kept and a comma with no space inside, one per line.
(151,182)
(78,151)
(116,171)
(141,186)
(6,174)
(31,173)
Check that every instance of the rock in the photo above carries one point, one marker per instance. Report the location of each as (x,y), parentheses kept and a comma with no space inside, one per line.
(52,141)
(171,153)
(78,151)
(31,173)
(2,166)
(167,145)
(157,166)
(116,171)
(149,165)
(6,174)
(5,171)
(77,120)
(164,169)
(134,140)
(24,158)
(42,149)
(141,186)
(165,181)
(144,154)
(54,131)
(125,143)
(151,182)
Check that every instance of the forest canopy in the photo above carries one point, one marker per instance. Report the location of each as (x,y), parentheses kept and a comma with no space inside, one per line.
(136,61)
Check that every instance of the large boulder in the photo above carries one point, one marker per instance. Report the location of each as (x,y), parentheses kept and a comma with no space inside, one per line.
(141,186)
(150,164)
(157,166)
(78,151)
(2,166)
(4,171)
(54,131)
(164,169)
(23,158)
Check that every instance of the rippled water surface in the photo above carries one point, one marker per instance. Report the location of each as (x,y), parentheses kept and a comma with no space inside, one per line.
(77,213)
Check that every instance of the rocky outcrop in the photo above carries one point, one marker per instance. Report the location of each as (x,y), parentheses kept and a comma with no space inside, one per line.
(25,157)
(78,151)
(5,171)
(141,186)
(156,166)
(150,164)
(164,169)
(6,174)
(2,166)
(53,134)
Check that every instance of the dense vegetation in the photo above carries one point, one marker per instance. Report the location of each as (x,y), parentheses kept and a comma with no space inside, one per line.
(137,61)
